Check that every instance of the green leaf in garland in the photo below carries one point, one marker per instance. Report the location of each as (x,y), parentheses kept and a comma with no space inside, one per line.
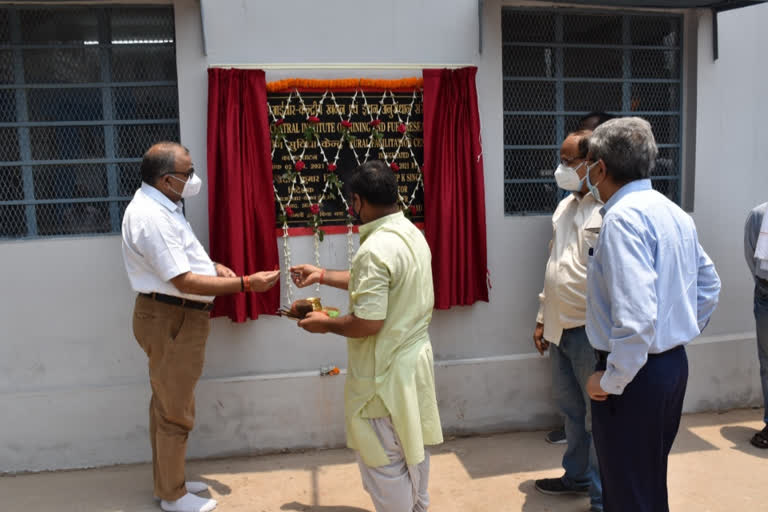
(320,234)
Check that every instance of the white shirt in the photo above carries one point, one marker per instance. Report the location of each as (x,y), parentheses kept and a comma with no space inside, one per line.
(575,226)
(158,244)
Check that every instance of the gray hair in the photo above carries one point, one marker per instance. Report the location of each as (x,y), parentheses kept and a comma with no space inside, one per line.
(627,147)
(159,160)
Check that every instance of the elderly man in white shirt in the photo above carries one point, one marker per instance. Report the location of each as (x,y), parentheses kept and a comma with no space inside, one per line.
(561,319)
(176,282)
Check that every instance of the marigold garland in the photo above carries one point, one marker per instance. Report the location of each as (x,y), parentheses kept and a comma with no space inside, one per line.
(345,83)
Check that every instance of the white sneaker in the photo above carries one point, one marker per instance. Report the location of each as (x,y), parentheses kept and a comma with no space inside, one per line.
(196,487)
(193,487)
(189,503)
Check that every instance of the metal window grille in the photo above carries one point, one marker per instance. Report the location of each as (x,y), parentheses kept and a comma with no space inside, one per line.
(560,65)
(84,91)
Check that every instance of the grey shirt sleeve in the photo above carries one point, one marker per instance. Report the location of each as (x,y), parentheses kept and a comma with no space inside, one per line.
(751,232)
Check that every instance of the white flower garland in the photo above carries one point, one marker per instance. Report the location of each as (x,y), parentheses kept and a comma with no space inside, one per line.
(285,208)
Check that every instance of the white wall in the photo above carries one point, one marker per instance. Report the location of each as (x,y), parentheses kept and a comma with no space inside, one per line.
(73,382)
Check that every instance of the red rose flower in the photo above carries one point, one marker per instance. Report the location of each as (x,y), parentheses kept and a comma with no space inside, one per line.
(331,167)
(300,165)
(402,128)
(288,211)
(279,121)
(346,124)
(351,212)
(394,166)
(375,123)
(413,209)
(315,209)
(313,119)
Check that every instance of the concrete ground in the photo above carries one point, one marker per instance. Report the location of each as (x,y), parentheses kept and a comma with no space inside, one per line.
(713,468)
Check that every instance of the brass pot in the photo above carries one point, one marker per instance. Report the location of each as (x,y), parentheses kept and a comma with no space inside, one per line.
(317,305)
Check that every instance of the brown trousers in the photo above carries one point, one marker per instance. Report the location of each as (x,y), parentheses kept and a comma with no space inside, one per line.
(174,341)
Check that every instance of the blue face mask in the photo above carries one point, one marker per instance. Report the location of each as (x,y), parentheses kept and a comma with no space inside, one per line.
(593,188)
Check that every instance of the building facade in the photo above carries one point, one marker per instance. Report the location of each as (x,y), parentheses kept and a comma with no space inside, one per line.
(73,382)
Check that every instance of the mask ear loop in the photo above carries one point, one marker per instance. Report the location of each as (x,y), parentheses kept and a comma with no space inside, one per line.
(589,168)
(180,194)
(582,180)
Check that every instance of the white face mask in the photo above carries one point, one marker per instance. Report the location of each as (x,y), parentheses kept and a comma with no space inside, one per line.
(191,186)
(568,179)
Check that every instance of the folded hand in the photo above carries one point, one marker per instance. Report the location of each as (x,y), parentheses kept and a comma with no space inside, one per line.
(594,390)
(263,281)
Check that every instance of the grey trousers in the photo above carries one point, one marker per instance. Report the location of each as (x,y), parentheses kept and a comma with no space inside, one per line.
(396,487)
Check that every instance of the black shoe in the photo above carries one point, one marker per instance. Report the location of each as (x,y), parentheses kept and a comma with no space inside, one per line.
(556,487)
(760,440)
(556,437)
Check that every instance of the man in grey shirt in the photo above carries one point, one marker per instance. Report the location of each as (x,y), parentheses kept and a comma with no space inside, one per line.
(760,275)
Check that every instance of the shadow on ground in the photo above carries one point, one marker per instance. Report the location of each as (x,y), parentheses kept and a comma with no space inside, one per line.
(740,437)
(295,505)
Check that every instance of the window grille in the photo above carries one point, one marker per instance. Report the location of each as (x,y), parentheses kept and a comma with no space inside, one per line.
(84,91)
(559,65)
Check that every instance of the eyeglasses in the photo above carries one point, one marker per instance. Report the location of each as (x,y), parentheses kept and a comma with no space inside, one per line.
(187,174)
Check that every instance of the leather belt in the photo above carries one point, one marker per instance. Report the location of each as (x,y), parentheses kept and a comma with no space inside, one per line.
(602,355)
(178,301)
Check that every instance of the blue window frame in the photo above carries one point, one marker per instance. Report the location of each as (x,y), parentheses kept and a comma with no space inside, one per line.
(559,65)
(84,91)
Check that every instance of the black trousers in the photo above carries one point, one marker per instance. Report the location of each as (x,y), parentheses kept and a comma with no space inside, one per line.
(633,434)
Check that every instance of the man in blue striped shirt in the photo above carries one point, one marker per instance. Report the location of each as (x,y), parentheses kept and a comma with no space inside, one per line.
(651,289)
(752,229)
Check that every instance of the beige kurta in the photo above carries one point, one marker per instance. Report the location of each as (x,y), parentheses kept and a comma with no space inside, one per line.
(391,373)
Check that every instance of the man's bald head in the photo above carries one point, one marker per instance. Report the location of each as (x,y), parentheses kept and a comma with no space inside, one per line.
(576,144)
(160,159)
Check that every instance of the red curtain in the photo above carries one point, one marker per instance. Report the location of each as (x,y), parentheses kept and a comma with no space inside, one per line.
(241,204)
(454,191)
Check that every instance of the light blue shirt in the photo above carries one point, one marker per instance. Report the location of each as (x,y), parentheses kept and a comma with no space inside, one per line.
(751,232)
(650,285)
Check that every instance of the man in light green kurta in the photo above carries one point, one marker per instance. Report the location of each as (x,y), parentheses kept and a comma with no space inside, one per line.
(390,403)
